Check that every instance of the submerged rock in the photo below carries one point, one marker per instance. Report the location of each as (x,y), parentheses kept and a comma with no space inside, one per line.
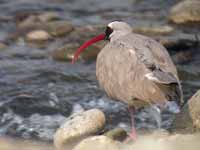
(29,22)
(2,46)
(48,22)
(186,11)
(183,56)
(189,119)
(178,41)
(37,20)
(66,52)
(48,16)
(98,143)
(155,30)
(79,126)
(59,28)
(38,35)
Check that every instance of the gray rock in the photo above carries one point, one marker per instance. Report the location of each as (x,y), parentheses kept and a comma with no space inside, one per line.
(79,126)
(98,143)
(59,28)
(188,120)
(186,11)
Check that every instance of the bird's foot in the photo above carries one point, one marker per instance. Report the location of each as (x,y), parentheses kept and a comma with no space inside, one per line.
(132,136)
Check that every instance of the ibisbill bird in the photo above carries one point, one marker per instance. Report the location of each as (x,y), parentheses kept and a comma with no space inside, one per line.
(135,69)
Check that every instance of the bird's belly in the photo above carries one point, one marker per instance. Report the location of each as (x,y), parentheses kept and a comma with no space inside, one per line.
(125,80)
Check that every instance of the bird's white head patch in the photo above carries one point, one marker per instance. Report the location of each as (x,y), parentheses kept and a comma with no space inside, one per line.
(118,29)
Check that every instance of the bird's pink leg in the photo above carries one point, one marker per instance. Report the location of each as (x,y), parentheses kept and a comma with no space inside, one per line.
(133,134)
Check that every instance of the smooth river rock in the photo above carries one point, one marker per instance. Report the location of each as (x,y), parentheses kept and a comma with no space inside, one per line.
(79,126)
(98,143)
(188,120)
(186,11)
(38,35)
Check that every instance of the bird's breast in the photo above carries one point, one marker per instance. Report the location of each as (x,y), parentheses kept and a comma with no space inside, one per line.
(117,71)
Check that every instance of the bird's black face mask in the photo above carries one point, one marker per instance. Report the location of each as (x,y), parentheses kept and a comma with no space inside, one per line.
(108,32)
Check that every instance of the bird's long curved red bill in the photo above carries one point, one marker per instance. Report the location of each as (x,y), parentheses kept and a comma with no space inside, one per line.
(87,44)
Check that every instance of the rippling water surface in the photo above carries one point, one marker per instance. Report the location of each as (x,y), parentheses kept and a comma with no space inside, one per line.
(38,93)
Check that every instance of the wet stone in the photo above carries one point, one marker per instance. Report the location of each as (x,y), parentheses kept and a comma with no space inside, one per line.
(116,134)
(66,52)
(29,22)
(185,12)
(154,30)
(79,126)
(38,35)
(37,20)
(48,16)
(183,57)
(59,28)
(2,46)
(98,143)
(189,119)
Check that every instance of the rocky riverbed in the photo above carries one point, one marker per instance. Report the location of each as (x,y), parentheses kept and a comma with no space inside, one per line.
(40,88)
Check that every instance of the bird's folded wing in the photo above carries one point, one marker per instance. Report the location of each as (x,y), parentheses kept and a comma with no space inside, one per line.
(161,77)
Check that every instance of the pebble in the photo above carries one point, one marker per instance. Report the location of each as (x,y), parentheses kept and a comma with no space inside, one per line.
(38,35)
(79,126)
(185,12)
